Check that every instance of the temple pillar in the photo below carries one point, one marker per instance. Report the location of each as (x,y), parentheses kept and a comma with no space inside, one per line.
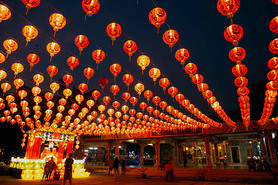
(263,146)
(30,146)
(217,160)
(117,149)
(37,146)
(109,151)
(208,159)
(157,153)
(70,146)
(60,152)
(176,154)
(271,147)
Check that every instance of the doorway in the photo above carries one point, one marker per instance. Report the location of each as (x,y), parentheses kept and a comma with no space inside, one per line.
(235,154)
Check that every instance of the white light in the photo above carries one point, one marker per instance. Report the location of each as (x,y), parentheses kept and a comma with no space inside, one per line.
(86,150)
(150,144)
(95,148)
(120,147)
(98,119)
(91,148)
(273,135)
(130,140)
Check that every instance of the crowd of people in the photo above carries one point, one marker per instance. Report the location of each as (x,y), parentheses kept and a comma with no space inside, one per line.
(255,164)
(49,167)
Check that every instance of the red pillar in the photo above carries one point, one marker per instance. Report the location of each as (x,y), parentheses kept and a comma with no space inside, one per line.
(109,151)
(36,147)
(157,153)
(70,147)
(60,152)
(29,147)
(271,148)
(208,165)
(117,149)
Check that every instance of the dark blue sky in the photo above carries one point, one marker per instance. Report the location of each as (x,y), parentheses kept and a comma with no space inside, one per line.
(198,23)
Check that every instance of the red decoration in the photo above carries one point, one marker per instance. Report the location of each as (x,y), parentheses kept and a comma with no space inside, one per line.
(126,96)
(237,54)
(197,79)
(89,73)
(83,87)
(130,47)
(127,79)
(116,104)
(98,55)
(273,63)
(228,7)
(33,59)
(52,70)
(114,89)
(113,30)
(182,55)
(164,83)
(115,69)
(273,25)
(103,82)
(72,62)
(133,101)
(239,70)
(90,7)
(171,37)
(190,69)
(241,81)
(31,4)
(233,33)
(157,17)
(273,46)
(96,94)
(67,79)
(148,95)
(81,41)
(106,100)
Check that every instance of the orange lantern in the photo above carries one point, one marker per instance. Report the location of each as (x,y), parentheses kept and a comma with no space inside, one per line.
(126,96)
(190,69)
(237,54)
(239,70)
(18,83)
(203,87)
(163,105)
(67,93)
(143,61)
(52,70)
(96,94)
(156,100)
(116,104)
(127,79)
(90,103)
(22,94)
(10,45)
(115,69)
(79,98)
(243,91)
(182,55)
(17,68)
(272,75)
(53,48)
(164,83)
(228,7)
(38,78)
(90,7)
(273,46)
(139,88)
(30,32)
(171,37)
(197,79)
(150,109)
(143,106)
(3,74)
(103,82)
(157,17)
(273,63)
(89,73)
(33,59)
(241,81)
(48,96)
(106,100)
(207,94)
(114,89)
(125,108)
(273,25)
(83,87)
(67,79)
(31,4)
(54,87)
(130,47)
(5,87)
(148,94)
(98,55)
(5,13)
(110,112)
(133,101)
(233,33)
(179,98)
(72,62)
(81,41)
(101,108)
(113,30)
(74,106)
(57,21)
(172,91)
(211,100)
(2,58)
(154,74)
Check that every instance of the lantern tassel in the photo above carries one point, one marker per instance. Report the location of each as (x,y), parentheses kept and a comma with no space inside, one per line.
(129,57)
(171,49)
(54,33)
(30,67)
(127,88)
(50,58)
(137,1)
(154,83)
(85,17)
(97,66)
(27,10)
(26,43)
(112,42)
(80,53)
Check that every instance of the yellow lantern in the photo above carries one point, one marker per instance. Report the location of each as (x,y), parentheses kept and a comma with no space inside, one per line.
(17,68)
(30,32)
(143,61)
(10,45)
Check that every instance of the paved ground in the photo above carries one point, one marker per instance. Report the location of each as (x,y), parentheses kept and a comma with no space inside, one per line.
(102,179)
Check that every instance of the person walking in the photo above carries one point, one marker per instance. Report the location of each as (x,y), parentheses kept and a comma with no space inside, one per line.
(116,169)
(52,165)
(68,169)
(110,165)
(169,169)
(45,172)
(185,159)
(123,167)
(189,157)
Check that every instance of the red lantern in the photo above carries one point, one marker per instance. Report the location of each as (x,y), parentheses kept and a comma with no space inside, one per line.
(241,81)
(139,88)
(114,89)
(96,94)
(98,55)
(190,69)
(115,69)
(89,72)
(10,45)
(237,54)
(272,85)
(273,25)
(143,61)
(81,41)
(273,46)
(172,91)
(143,106)
(228,7)
(164,83)
(38,78)
(182,55)
(148,95)
(130,47)
(57,21)
(273,63)
(150,109)
(211,100)
(233,33)
(197,79)
(106,100)
(116,104)
(126,96)
(31,4)
(154,74)
(17,68)
(33,59)
(113,30)
(103,82)
(156,100)
(202,87)
(2,57)
(5,13)
(83,87)
(133,101)
(272,75)
(52,70)
(179,98)
(239,70)
(72,62)
(53,48)
(207,94)
(171,37)
(128,79)
(163,105)
(90,7)
(30,32)
(5,87)
(67,79)
(157,17)
(243,91)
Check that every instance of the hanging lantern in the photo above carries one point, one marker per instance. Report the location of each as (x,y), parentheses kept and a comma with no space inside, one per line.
(72,62)
(33,59)
(90,7)
(164,83)
(79,98)
(113,30)
(143,61)
(157,17)
(22,94)
(273,63)
(96,94)
(154,74)
(3,74)
(130,47)
(211,100)
(150,109)
(18,83)
(98,55)
(2,58)
(148,94)
(110,112)
(228,7)
(207,94)
(156,100)
(237,54)
(101,108)
(37,99)
(54,87)
(239,70)
(202,87)
(89,73)
(127,79)
(57,21)
(125,108)
(190,69)
(273,25)
(67,93)
(103,82)
(31,4)
(81,41)
(5,87)
(179,98)
(116,104)
(17,68)
(114,89)
(52,70)
(30,32)
(241,81)
(273,46)
(243,91)
(143,106)
(53,48)
(182,55)
(48,96)
(126,96)
(5,13)
(172,91)
(197,79)
(163,105)
(83,87)
(38,78)
(115,69)
(133,101)
(90,103)
(272,75)
(106,100)
(233,33)
(10,45)
(139,88)
(67,79)
(171,37)
(74,106)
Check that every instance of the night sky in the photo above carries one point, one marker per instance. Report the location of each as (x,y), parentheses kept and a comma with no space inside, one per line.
(200,27)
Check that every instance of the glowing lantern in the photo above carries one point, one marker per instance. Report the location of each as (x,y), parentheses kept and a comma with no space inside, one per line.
(237,54)
(133,101)
(127,79)
(239,70)
(179,98)
(18,83)
(33,59)
(150,109)
(79,98)
(139,88)
(89,73)
(101,108)
(5,87)
(74,106)
(48,96)
(81,41)
(30,32)
(143,61)
(2,58)
(53,48)
(17,68)
(190,69)
(114,89)
(273,63)
(116,104)
(130,47)
(115,69)
(3,74)
(83,87)
(148,95)
(52,70)
(233,33)
(103,82)
(273,46)
(241,81)
(164,83)
(67,93)
(31,4)
(96,94)
(154,74)
(10,45)
(243,91)
(72,62)
(5,13)
(110,112)
(197,79)
(202,87)
(37,99)
(272,75)
(157,17)
(22,94)
(207,94)
(90,103)
(67,79)
(54,87)
(171,37)
(156,100)
(163,105)
(38,78)
(143,106)
(113,30)
(172,91)
(272,85)
(90,7)
(106,100)
(125,108)
(126,96)
(57,21)
(182,55)
(228,7)
(98,55)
